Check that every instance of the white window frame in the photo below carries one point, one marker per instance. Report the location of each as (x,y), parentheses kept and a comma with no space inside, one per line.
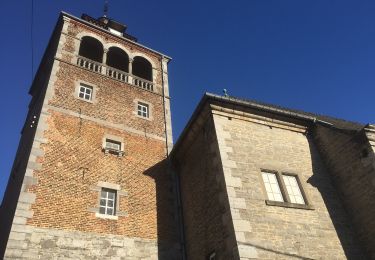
(85,85)
(112,145)
(114,139)
(293,189)
(86,91)
(149,109)
(272,186)
(292,192)
(143,109)
(105,197)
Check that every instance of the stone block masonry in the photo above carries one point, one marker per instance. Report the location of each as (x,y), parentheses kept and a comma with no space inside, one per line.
(351,160)
(272,232)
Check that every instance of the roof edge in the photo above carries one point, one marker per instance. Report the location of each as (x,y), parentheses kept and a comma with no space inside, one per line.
(62,13)
(214,97)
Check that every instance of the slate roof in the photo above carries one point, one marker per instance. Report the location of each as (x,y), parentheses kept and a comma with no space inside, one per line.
(336,122)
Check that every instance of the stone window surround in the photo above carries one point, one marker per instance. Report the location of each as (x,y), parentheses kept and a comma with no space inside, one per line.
(116,139)
(150,109)
(94,87)
(119,193)
(108,44)
(287,203)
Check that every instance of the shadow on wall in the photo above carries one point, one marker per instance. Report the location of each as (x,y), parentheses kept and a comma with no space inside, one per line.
(321,179)
(167,221)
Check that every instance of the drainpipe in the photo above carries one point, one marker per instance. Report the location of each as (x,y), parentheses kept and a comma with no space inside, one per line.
(176,176)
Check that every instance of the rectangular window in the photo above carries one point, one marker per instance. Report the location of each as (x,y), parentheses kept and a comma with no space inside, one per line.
(85,92)
(293,189)
(143,110)
(112,145)
(272,186)
(107,202)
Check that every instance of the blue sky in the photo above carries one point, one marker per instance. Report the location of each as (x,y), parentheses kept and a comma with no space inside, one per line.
(317,56)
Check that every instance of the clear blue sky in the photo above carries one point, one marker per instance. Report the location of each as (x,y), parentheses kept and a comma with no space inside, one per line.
(317,56)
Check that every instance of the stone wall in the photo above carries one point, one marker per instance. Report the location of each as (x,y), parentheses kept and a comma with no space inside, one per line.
(351,161)
(40,243)
(249,144)
(203,194)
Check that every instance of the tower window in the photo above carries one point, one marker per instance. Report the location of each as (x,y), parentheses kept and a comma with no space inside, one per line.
(107,202)
(112,145)
(85,92)
(143,110)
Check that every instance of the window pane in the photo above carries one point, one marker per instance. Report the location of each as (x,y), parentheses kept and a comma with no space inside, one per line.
(102,202)
(110,211)
(293,189)
(111,195)
(272,186)
(110,203)
(102,210)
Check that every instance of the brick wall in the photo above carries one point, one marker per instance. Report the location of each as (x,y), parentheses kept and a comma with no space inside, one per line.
(351,161)
(58,212)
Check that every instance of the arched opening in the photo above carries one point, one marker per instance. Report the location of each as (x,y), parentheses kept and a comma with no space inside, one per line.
(118,59)
(142,68)
(91,48)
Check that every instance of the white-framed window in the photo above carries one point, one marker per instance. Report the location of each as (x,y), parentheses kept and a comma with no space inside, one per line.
(272,186)
(143,110)
(112,145)
(85,92)
(107,202)
(284,187)
(293,189)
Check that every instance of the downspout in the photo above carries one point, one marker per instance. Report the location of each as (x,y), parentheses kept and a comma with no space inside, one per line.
(170,167)
(164,112)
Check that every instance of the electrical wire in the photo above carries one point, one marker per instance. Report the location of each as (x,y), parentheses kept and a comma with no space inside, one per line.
(32,40)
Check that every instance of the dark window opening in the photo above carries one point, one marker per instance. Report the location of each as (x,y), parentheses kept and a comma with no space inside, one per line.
(118,59)
(91,48)
(142,68)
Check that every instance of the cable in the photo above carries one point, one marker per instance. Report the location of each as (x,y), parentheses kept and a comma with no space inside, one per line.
(32,40)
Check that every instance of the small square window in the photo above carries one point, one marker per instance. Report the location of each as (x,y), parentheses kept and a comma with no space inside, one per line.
(112,145)
(272,186)
(107,202)
(293,189)
(143,110)
(85,92)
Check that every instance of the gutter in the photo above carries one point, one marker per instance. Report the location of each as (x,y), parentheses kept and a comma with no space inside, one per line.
(267,108)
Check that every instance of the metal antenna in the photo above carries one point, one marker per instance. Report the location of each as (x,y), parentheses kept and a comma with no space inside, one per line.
(105,8)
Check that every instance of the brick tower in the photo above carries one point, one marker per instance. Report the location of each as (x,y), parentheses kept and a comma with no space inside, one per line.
(89,179)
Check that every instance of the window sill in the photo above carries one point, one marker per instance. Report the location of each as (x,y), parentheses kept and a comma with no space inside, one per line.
(144,117)
(98,215)
(288,205)
(88,101)
(112,151)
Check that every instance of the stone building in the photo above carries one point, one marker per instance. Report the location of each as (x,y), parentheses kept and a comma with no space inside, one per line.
(263,182)
(95,175)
